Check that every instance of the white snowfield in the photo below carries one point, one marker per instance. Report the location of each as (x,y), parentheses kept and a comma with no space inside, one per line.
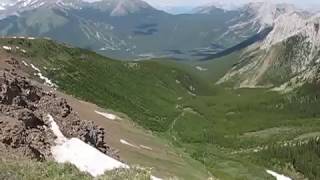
(278,176)
(85,157)
(108,115)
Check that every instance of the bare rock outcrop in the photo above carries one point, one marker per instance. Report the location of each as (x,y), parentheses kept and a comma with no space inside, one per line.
(24,127)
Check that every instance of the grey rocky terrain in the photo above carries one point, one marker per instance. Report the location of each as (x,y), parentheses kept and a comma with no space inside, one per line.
(24,127)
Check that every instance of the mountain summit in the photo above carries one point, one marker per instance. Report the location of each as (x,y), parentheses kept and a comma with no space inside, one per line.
(115,7)
(122,7)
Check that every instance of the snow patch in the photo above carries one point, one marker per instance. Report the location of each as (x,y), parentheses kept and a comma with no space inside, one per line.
(85,157)
(122,141)
(47,81)
(145,147)
(192,94)
(278,176)
(7,48)
(107,115)
(192,88)
(56,131)
(35,68)
(201,68)
(24,63)
(155,178)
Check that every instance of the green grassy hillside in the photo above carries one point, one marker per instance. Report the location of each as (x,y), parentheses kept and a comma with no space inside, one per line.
(221,127)
(147,91)
(30,170)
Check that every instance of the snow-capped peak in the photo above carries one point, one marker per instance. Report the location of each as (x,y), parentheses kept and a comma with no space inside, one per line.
(15,7)
(113,7)
(22,5)
(122,7)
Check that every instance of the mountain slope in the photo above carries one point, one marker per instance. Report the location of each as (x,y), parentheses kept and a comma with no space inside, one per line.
(72,68)
(286,58)
(148,100)
(222,128)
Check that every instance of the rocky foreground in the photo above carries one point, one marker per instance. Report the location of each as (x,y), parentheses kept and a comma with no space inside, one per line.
(24,127)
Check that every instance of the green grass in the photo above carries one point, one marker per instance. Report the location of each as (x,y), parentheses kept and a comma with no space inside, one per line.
(146,91)
(30,170)
(209,126)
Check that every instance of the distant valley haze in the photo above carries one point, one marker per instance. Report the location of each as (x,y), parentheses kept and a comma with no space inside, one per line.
(186,6)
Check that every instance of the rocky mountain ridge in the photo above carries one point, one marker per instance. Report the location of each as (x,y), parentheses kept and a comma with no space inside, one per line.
(288,57)
(114,7)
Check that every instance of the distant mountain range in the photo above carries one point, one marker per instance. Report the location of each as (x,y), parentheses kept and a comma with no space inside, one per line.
(133,29)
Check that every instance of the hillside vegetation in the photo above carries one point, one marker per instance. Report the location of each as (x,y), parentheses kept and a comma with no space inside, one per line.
(147,91)
(29,170)
(221,127)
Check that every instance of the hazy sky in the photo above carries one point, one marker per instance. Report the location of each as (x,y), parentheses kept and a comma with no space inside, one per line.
(177,6)
(193,3)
